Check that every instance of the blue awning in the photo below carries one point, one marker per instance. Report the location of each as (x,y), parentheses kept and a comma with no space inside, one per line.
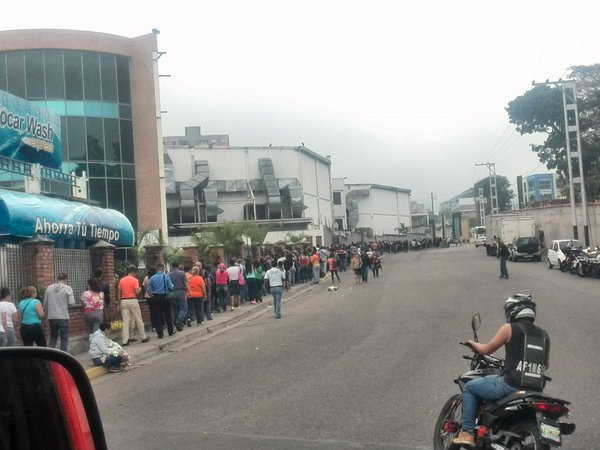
(25,215)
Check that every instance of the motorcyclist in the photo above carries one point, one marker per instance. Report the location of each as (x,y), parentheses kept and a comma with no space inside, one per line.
(527,349)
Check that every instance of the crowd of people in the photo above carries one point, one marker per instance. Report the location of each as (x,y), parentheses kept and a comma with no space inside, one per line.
(179,297)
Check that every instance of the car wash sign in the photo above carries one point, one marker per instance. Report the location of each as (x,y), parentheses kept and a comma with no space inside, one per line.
(28,132)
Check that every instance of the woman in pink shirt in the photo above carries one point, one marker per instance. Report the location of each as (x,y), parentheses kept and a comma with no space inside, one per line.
(221,280)
(93,305)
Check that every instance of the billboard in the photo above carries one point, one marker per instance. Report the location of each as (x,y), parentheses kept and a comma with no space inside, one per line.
(28,132)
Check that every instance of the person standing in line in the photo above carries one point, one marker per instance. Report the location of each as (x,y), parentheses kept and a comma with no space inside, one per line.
(127,296)
(323,255)
(250,281)
(105,288)
(332,266)
(503,254)
(59,296)
(233,272)
(303,262)
(32,313)
(181,288)
(274,278)
(160,309)
(197,296)
(9,319)
(149,273)
(316,267)
(93,305)
(258,277)
(207,304)
(221,282)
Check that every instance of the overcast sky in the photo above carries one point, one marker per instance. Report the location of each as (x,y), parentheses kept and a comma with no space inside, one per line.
(409,94)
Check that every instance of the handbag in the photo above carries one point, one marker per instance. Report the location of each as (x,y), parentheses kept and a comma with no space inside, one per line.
(169,295)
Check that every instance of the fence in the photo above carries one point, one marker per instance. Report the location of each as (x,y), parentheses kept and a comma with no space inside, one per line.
(76,264)
(12,274)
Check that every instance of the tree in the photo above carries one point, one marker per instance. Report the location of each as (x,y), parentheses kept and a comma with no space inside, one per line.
(505,195)
(540,110)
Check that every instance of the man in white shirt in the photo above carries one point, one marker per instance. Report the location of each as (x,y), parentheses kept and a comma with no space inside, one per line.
(233,271)
(274,278)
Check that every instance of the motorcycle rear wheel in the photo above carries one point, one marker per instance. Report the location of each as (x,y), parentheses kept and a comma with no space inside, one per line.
(451,413)
(529,432)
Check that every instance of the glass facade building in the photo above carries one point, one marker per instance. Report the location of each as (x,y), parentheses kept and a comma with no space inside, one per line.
(92,93)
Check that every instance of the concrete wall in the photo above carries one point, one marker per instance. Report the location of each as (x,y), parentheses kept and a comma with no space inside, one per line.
(557,222)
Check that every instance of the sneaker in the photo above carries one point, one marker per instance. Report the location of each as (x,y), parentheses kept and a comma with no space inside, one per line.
(464,439)
(132,340)
(189,322)
(145,340)
(124,344)
(209,318)
(115,369)
(232,308)
(278,316)
(253,302)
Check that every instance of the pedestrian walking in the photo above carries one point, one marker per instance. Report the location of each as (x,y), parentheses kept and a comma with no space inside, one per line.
(356,265)
(57,299)
(127,295)
(316,267)
(332,266)
(503,254)
(274,281)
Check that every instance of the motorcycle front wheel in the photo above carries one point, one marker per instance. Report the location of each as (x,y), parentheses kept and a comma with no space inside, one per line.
(529,436)
(448,424)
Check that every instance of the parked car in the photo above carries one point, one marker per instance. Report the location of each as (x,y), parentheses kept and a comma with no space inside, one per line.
(556,251)
(525,248)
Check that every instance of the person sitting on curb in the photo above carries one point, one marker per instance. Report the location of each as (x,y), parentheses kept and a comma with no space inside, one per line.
(104,352)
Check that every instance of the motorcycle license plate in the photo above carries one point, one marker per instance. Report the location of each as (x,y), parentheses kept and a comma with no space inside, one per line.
(550,432)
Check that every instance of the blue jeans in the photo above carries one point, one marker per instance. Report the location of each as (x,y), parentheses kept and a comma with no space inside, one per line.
(181,307)
(316,274)
(276,291)
(59,327)
(503,269)
(490,387)
(7,337)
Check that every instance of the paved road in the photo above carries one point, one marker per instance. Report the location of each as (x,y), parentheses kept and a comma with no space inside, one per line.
(368,366)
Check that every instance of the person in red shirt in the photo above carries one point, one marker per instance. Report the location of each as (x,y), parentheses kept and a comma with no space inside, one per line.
(198,294)
(332,266)
(127,296)
(221,281)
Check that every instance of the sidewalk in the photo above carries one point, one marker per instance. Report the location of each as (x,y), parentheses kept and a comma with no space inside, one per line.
(140,352)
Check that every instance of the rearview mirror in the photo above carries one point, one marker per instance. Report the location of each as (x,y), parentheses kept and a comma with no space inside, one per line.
(475,324)
(46,402)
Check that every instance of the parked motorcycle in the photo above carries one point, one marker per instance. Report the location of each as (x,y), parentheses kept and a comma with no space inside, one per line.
(523,420)
(573,259)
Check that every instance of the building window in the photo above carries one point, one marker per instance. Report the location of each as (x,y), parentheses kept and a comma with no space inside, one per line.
(340,224)
(545,185)
(337,198)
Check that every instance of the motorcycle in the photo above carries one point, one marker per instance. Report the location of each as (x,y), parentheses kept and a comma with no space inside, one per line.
(572,261)
(524,420)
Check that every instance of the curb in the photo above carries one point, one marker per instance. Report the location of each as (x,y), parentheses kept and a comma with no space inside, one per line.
(178,340)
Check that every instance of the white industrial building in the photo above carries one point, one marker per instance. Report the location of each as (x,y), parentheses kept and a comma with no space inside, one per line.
(376,211)
(289,187)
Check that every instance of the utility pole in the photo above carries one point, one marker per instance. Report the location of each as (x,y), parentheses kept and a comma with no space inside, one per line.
(574,156)
(493,191)
(432,219)
(481,209)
